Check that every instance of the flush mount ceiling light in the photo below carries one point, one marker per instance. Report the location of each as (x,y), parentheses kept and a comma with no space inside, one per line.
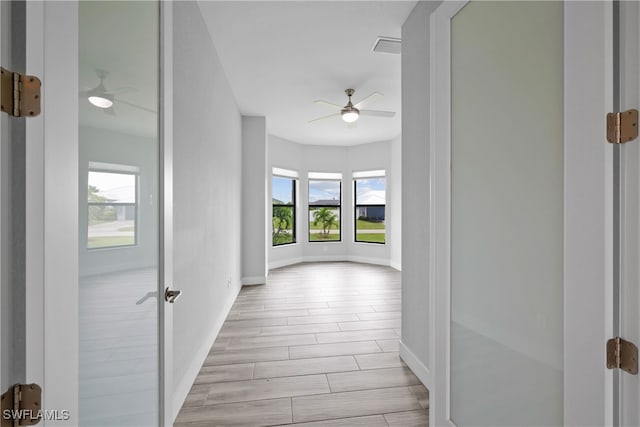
(350,113)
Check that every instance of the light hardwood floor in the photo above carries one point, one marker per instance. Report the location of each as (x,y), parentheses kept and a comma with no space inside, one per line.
(317,346)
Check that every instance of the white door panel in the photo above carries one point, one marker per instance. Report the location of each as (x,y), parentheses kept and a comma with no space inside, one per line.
(522,212)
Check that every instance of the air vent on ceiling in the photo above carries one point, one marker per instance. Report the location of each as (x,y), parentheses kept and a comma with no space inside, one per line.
(387,45)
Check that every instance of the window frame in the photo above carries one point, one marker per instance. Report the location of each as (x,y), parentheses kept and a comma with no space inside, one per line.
(293,206)
(360,176)
(310,206)
(124,171)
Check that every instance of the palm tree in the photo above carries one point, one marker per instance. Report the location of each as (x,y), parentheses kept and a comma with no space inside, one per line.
(282,220)
(327,218)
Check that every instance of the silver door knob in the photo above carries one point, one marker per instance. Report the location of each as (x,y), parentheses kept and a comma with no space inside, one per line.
(171,295)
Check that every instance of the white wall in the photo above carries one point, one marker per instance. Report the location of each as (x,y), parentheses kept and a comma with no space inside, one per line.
(254,200)
(394,181)
(207,195)
(415,348)
(285,155)
(99,145)
(314,158)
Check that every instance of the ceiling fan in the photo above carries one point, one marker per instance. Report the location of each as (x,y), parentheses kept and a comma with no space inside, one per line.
(103,98)
(350,112)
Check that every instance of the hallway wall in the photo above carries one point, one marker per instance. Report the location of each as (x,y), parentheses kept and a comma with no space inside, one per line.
(416,311)
(207,195)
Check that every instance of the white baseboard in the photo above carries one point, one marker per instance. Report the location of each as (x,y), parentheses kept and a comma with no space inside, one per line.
(285,262)
(254,280)
(181,389)
(328,258)
(396,264)
(368,260)
(418,368)
(325,258)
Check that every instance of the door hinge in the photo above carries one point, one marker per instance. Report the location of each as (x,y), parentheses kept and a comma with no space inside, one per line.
(622,127)
(21,405)
(20,94)
(622,354)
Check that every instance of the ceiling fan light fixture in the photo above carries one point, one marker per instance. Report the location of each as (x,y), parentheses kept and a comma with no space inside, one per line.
(101,101)
(350,115)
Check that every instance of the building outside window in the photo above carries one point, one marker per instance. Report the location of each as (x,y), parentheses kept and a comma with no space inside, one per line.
(112,206)
(283,198)
(325,200)
(369,189)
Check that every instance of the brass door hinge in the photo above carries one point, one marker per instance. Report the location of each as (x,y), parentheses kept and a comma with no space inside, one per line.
(622,354)
(20,94)
(622,127)
(21,405)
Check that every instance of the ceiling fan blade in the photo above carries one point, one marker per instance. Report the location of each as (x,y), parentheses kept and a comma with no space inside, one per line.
(377,113)
(368,100)
(121,90)
(330,104)
(324,117)
(140,107)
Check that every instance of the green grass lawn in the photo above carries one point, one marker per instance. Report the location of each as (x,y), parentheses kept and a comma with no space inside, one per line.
(319,237)
(282,238)
(370,237)
(369,225)
(319,226)
(108,241)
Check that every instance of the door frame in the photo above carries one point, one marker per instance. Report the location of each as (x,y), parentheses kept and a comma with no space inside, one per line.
(168,412)
(588,214)
(52,329)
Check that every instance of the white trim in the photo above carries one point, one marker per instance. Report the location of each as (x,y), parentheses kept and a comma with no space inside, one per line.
(395,264)
(285,262)
(34,198)
(182,389)
(416,366)
(368,174)
(331,176)
(60,215)
(254,280)
(440,208)
(369,260)
(168,410)
(588,226)
(334,258)
(284,173)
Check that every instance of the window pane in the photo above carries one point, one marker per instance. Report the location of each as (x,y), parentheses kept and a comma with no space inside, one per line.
(324,193)
(324,224)
(370,226)
(108,187)
(370,191)
(370,210)
(111,225)
(283,223)
(282,191)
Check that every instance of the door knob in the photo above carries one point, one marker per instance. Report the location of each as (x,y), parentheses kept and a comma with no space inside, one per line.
(171,295)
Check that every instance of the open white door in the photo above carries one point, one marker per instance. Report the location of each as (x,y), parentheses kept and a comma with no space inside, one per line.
(628,313)
(98,259)
(522,213)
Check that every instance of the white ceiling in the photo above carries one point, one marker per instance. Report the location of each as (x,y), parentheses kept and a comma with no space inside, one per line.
(279,57)
(120,38)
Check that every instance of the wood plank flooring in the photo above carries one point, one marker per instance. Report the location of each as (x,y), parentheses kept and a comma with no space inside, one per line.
(317,346)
